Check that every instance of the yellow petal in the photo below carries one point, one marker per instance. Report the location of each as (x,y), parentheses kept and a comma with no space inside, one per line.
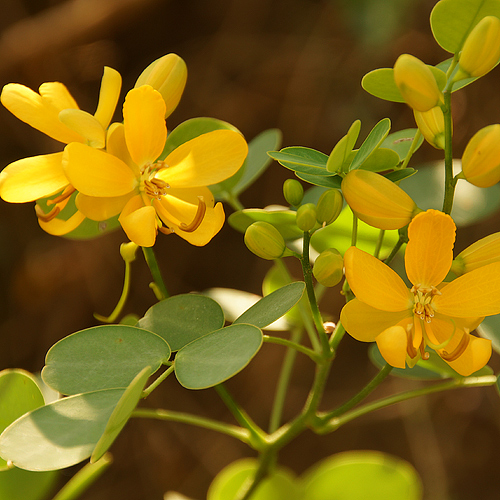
(374,283)
(86,125)
(207,159)
(144,120)
(392,344)
(476,356)
(59,227)
(42,113)
(429,252)
(365,323)
(442,328)
(32,178)
(111,85)
(97,173)
(116,146)
(101,208)
(139,222)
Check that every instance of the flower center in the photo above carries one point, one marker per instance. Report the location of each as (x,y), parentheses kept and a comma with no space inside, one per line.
(422,297)
(59,203)
(149,184)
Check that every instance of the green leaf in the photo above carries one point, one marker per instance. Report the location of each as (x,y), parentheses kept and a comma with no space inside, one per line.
(59,434)
(273,306)
(280,484)
(401,141)
(19,484)
(343,148)
(121,414)
(399,175)
(303,160)
(460,84)
(183,318)
(190,129)
(103,357)
(381,159)
(218,356)
(255,164)
(282,220)
(490,329)
(371,143)
(383,477)
(332,181)
(19,394)
(453,20)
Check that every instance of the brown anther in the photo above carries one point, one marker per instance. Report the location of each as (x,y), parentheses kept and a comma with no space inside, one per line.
(459,350)
(68,191)
(46,217)
(424,355)
(198,218)
(160,183)
(165,230)
(412,352)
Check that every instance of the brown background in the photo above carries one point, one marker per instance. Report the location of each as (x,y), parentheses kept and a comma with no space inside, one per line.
(291,64)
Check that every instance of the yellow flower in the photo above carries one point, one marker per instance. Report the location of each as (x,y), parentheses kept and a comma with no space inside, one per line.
(431,125)
(432,313)
(55,113)
(482,252)
(481,158)
(377,201)
(150,195)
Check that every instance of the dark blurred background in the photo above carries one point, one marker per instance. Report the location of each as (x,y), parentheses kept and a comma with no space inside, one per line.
(291,64)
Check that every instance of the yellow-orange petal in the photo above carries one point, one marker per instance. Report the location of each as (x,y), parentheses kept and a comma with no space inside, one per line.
(429,252)
(32,178)
(365,323)
(109,94)
(392,344)
(57,95)
(41,112)
(144,120)
(86,125)
(474,294)
(139,222)
(59,227)
(96,173)
(101,208)
(116,146)
(207,159)
(374,283)
(476,356)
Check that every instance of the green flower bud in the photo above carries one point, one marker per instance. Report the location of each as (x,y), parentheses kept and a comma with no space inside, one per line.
(481,49)
(293,192)
(128,250)
(328,267)
(168,76)
(416,83)
(329,206)
(431,125)
(265,241)
(306,217)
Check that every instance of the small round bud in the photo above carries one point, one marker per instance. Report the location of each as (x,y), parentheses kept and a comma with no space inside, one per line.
(306,217)
(431,125)
(328,267)
(481,158)
(265,241)
(168,76)
(293,192)
(416,83)
(329,206)
(128,250)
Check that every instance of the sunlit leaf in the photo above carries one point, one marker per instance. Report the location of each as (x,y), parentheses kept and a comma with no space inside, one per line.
(303,160)
(372,142)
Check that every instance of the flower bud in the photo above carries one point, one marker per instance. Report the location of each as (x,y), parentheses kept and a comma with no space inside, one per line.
(265,241)
(378,201)
(416,83)
(168,76)
(306,217)
(329,206)
(329,267)
(481,49)
(431,125)
(128,250)
(481,158)
(293,192)
(482,252)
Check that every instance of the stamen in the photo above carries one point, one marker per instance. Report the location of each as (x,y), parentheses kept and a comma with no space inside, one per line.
(46,217)
(412,352)
(165,230)
(198,218)
(459,350)
(156,188)
(68,191)
(425,355)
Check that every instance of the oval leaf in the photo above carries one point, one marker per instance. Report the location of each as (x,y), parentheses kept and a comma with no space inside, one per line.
(300,159)
(103,357)
(381,159)
(59,434)
(401,141)
(273,306)
(331,181)
(19,484)
(343,148)
(372,142)
(183,318)
(217,356)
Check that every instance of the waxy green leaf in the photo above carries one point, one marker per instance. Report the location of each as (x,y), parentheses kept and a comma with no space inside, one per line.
(400,142)
(371,143)
(343,148)
(381,159)
(302,160)
(183,318)
(332,181)
(19,484)
(103,357)
(217,356)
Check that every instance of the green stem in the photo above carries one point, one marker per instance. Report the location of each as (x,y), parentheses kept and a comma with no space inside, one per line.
(354,235)
(380,241)
(234,202)
(337,336)
(266,461)
(292,345)
(337,422)
(449,180)
(394,251)
(155,272)
(146,392)
(186,418)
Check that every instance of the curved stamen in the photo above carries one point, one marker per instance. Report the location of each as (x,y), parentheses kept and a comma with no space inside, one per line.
(459,350)
(412,352)
(165,230)
(198,218)
(46,217)
(68,191)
